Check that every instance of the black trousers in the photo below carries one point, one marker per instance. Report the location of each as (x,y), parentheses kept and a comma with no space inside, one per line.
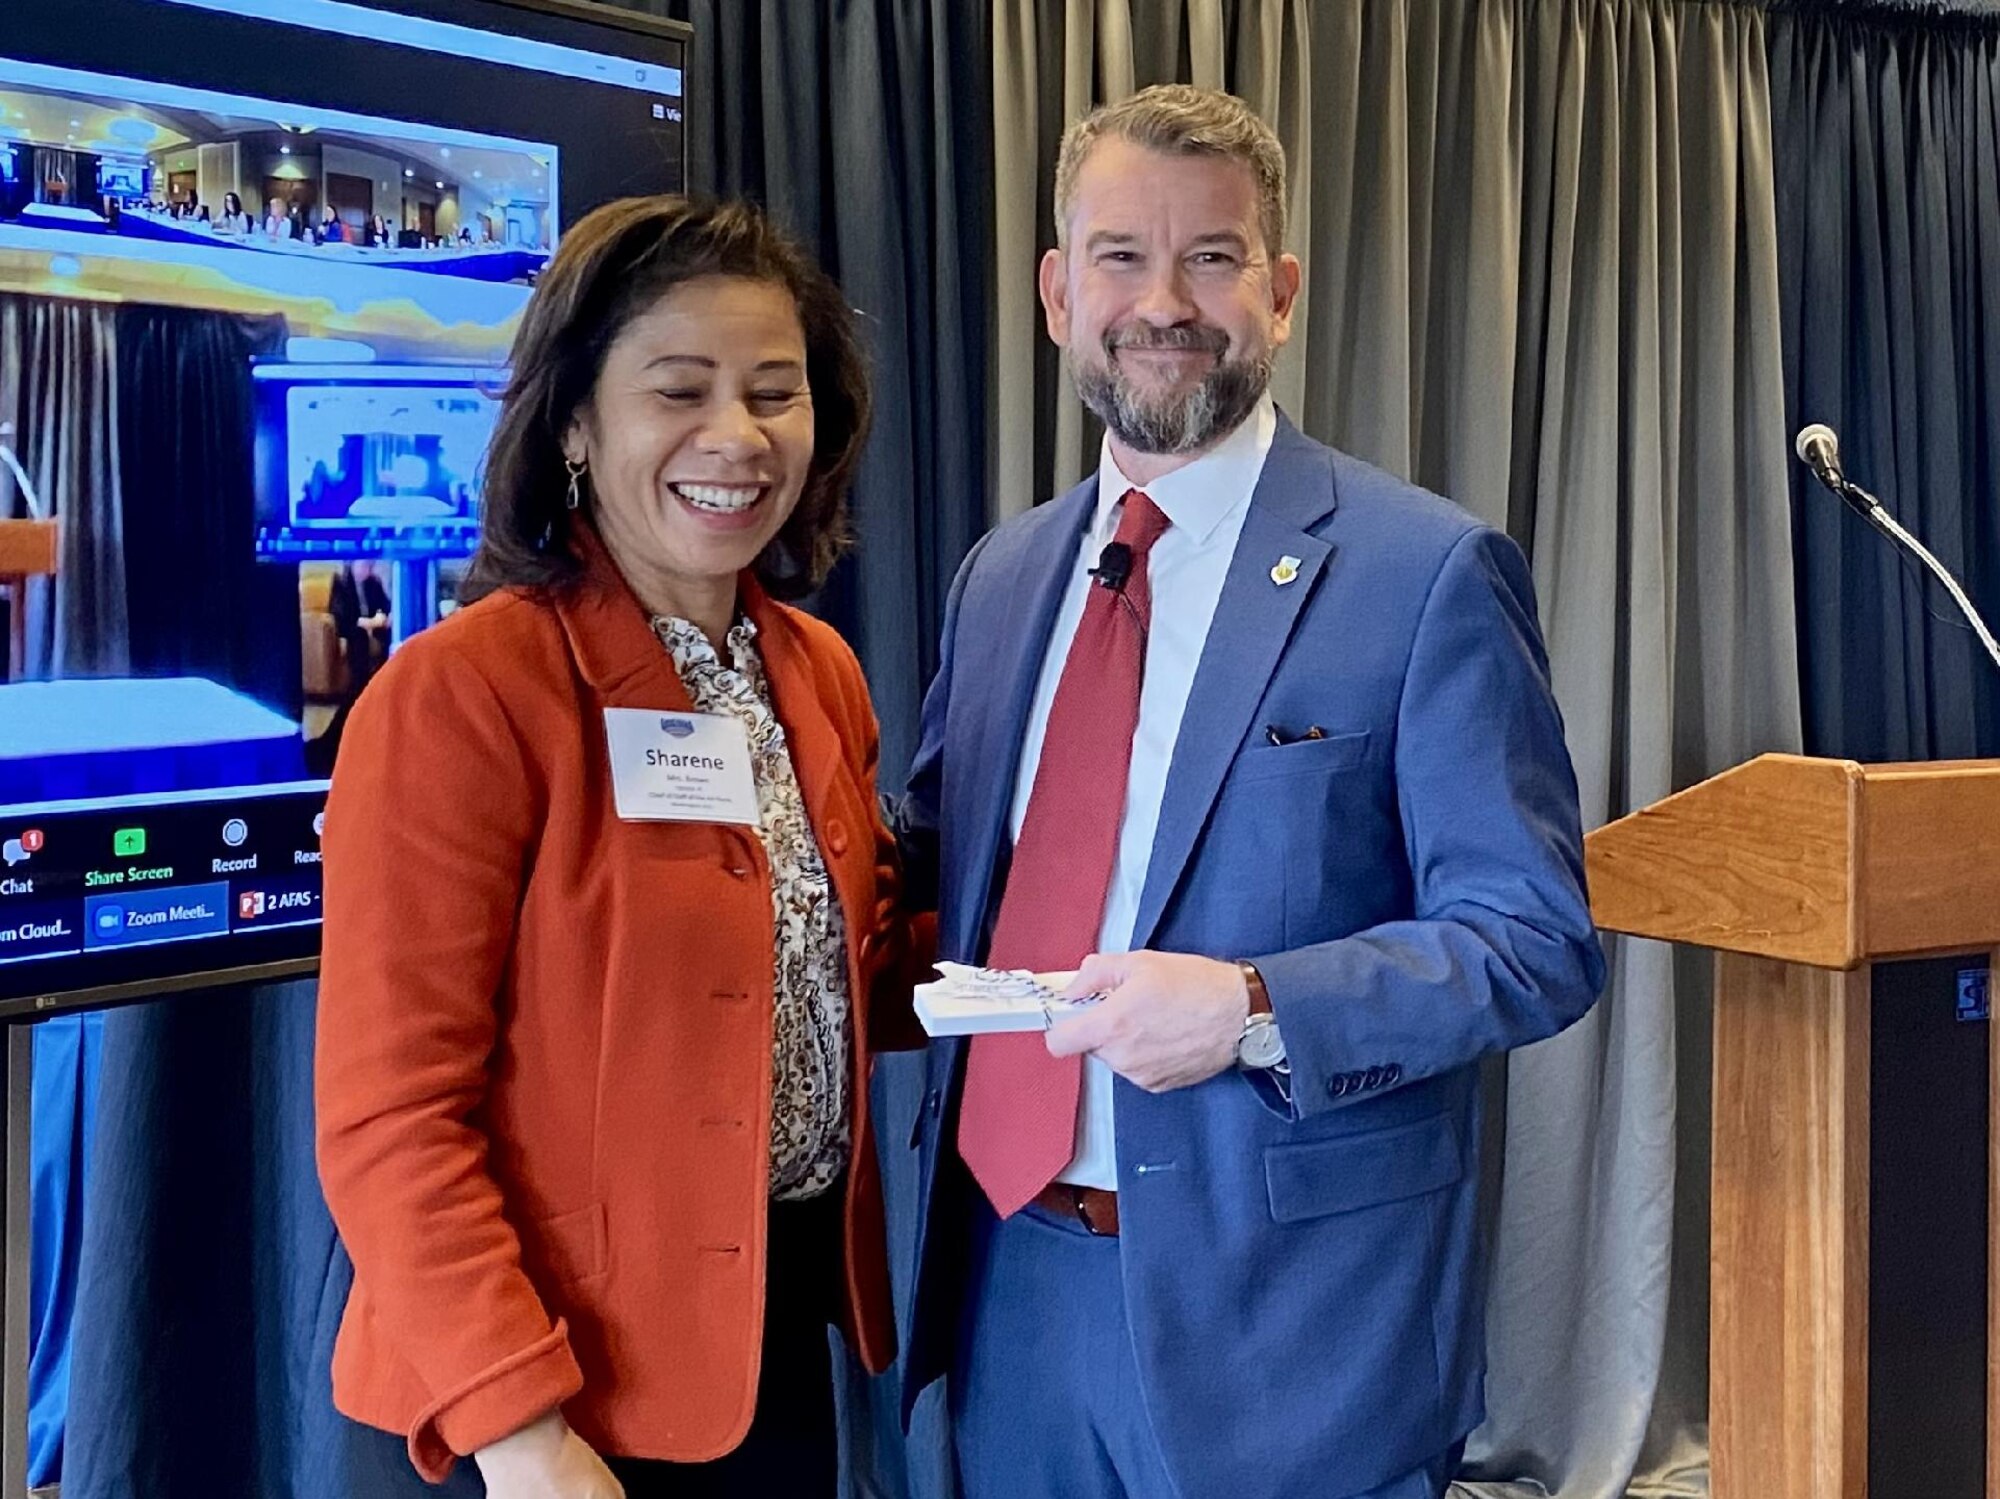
(792,1448)
(792,1445)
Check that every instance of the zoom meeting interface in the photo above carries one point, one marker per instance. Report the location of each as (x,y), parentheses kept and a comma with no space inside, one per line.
(109,879)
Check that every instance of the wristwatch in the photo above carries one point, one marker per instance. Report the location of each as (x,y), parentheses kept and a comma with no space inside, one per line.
(1260,1048)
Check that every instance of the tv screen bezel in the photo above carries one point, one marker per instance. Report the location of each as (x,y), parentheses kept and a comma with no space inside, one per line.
(695,82)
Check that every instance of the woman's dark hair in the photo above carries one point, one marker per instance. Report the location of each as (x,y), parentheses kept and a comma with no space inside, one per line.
(613,265)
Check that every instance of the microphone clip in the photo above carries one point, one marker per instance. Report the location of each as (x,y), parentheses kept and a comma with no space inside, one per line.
(1114,566)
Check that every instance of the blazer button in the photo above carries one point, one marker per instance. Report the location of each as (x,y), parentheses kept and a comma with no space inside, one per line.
(836,838)
(933,1102)
(1373,1079)
(1391,1075)
(739,872)
(1337,1085)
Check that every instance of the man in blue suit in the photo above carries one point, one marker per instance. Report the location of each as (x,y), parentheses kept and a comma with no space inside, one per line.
(1262,740)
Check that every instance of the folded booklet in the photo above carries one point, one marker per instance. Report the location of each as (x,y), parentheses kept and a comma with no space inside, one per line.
(968,1001)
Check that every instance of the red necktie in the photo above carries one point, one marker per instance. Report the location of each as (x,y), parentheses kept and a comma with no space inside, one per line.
(1017,1123)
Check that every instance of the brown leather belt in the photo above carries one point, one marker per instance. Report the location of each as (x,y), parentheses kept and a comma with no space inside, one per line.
(1093,1207)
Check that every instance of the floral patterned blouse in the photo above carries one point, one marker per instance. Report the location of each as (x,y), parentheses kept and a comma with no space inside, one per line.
(812,1033)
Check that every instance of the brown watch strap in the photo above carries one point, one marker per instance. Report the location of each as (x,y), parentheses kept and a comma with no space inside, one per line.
(1260,997)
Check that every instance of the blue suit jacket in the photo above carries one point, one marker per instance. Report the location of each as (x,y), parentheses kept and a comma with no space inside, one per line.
(1302,1277)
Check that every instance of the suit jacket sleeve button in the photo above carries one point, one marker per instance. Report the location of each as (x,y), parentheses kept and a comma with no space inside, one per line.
(836,838)
(1373,1079)
(1391,1075)
(1337,1084)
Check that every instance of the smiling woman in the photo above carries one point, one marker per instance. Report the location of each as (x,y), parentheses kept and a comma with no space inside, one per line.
(676,343)
(595,1010)
(697,442)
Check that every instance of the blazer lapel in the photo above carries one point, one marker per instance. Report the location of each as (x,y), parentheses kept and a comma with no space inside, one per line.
(998,662)
(621,658)
(1253,621)
(817,750)
(611,638)
(822,761)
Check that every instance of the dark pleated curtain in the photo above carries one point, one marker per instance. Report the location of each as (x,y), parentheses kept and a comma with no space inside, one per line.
(864,126)
(199,603)
(1886,130)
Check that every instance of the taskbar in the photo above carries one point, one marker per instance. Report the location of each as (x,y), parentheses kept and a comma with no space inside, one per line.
(147,889)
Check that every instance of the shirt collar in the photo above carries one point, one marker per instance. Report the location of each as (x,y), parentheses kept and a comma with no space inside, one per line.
(1197,498)
(691,647)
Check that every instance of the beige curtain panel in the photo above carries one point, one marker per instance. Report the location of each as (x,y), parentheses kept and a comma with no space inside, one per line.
(59,392)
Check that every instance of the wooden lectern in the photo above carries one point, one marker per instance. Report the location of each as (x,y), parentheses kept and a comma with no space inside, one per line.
(27,550)
(1806,876)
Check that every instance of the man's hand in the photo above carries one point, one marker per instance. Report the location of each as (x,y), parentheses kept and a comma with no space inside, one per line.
(545,1460)
(1168,1020)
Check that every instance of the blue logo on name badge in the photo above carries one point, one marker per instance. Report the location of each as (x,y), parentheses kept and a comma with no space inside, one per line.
(676,728)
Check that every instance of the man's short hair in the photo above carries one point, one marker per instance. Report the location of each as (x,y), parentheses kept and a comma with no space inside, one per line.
(1178,119)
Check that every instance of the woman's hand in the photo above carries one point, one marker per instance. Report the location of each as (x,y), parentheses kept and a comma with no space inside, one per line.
(545,1460)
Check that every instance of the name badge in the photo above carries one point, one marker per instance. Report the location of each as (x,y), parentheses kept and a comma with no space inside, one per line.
(680,767)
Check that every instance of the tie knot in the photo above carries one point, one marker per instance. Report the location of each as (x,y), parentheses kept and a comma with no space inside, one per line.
(1141,524)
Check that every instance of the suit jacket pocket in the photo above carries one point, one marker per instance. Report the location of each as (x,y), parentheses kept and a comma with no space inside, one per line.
(1263,762)
(569,1247)
(1318,1178)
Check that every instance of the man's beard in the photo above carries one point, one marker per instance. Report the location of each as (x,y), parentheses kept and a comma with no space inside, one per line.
(1173,421)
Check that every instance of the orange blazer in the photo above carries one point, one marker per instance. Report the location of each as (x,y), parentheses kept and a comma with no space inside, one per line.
(544,1045)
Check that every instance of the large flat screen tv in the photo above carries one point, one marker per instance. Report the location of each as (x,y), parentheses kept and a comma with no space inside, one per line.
(261,262)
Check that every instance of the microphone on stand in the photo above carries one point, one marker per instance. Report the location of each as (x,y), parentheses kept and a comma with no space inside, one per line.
(1818,447)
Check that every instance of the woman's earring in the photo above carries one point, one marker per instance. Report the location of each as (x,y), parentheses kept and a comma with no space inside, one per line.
(574,498)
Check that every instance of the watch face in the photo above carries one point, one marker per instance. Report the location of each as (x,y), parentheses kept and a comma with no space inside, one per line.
(1261,1046)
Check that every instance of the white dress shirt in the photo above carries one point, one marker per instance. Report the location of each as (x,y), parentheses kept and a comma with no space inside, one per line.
(1206,502)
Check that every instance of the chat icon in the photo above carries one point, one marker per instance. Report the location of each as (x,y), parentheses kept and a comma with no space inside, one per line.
(14,852)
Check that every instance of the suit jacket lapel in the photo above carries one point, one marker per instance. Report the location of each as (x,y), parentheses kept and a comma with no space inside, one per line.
(1253,621)
(998,662)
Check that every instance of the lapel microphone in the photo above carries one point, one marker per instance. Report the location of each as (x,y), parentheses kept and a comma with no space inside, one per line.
(1114,566)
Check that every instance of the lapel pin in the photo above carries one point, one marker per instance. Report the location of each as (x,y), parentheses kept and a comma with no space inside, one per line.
(1286,569)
